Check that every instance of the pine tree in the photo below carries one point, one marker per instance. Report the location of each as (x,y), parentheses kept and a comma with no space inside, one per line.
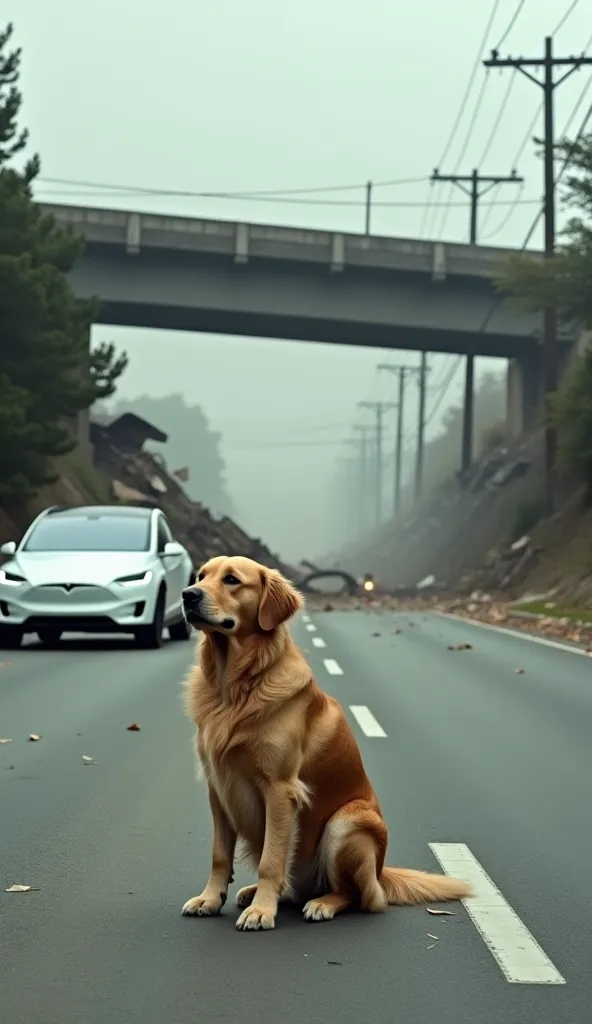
(47,373)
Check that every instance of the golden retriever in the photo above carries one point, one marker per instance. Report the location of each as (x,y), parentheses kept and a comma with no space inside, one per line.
(283,768)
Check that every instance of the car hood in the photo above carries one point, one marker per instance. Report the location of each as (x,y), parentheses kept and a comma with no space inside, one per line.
(95,567)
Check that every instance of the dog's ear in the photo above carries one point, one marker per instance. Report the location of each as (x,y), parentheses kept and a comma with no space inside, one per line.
(279,600)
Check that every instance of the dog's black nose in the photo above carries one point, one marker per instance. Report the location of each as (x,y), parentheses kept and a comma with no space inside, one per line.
(192,597)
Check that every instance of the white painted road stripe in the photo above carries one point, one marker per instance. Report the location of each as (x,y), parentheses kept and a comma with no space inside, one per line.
(311,628)
(518,633)
(318,642)
(332,667)
(366,720)
(517,952)
(306,618)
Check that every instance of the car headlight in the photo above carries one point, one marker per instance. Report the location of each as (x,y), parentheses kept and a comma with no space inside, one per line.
(136,580)
(11,579)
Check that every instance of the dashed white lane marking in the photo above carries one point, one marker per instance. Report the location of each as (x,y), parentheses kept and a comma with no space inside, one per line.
(310,627)
(517,633)
(366,720)
(318,641)
(517,952)
(333,668)
(305,618)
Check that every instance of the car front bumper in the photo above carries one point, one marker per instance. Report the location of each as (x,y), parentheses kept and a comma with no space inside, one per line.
(77,608)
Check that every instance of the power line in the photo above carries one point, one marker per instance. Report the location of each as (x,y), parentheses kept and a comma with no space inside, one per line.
(498,119)
(462,106)
(567,14)
(464,148)
(232,193)
(512,22)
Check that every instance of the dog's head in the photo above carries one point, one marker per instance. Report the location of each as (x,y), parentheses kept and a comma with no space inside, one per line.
(239,597)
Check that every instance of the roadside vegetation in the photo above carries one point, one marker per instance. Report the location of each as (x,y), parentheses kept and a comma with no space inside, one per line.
(48,373)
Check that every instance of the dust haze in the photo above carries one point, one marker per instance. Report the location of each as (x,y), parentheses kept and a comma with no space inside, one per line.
(230,97)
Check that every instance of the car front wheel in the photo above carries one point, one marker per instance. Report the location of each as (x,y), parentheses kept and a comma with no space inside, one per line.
(180,630)
(10,638)
(150,637)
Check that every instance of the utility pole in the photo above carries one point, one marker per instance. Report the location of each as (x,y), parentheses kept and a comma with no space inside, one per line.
(368,206)
(423,373)
(474,180)
(403,372)
(380,408)
(475,193)
(363,429)
(548,84)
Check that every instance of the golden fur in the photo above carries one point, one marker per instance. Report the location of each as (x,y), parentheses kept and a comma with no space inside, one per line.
(283,768)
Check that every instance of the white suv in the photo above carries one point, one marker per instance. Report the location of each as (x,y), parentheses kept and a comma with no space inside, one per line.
(96,569)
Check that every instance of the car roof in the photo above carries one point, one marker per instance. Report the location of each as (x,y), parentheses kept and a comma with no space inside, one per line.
(106,511)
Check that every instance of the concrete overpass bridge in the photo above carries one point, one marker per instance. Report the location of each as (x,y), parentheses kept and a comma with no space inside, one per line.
(191,274)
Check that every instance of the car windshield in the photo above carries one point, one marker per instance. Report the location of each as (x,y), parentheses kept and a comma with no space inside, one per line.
(90,532)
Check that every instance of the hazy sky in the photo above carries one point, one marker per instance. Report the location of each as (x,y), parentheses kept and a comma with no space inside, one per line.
(244,95)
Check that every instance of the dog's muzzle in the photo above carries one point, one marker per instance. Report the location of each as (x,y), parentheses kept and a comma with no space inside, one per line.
(197,612)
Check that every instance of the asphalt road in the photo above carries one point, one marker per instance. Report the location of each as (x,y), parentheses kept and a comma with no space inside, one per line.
(472,753)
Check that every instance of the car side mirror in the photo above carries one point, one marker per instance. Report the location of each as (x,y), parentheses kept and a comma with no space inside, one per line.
(8,548)
(172,549)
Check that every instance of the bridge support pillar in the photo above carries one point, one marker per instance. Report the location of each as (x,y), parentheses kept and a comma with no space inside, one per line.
(525,393)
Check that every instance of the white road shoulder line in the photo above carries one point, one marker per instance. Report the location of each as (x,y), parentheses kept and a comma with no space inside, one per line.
(310,627)
(517,633)
(366,720)
(517,952)
(318,641)
(333,668)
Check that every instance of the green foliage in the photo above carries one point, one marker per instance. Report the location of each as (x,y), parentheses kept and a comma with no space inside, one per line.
(192,444)
(48,373)
(572,415)
(565,281)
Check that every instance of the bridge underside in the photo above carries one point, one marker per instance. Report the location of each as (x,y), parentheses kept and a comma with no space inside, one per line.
(179,291)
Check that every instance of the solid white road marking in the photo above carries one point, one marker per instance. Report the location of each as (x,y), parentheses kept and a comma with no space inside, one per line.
(509,941)
(305,618)
(311,628)
(333,668)
(366,720)
(517,633)
(318,642)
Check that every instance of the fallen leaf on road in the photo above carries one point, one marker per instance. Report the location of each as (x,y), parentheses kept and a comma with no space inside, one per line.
(34,737)
(440,913)
(335,963)
(88,760)
(5,741)
(21,888)
(376,634)
(519,671)
(396,632)
(134,727)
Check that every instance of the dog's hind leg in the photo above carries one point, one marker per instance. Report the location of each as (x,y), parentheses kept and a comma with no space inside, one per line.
(352,854)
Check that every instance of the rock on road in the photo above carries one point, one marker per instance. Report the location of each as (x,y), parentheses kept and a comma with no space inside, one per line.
(461,748)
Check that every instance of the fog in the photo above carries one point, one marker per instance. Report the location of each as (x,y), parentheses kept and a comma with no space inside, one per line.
(202,97)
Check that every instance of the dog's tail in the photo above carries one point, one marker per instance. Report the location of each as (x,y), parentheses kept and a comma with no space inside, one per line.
(406,887)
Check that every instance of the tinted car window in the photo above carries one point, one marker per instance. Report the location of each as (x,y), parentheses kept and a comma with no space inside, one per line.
(90,533)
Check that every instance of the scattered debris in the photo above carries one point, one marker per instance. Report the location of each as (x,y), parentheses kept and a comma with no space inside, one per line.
(519,671)
(335,963)
(22,888)
(88,760)
(440,913)
(436,937)
(396,632)
(34,737)
(328,608)
(5,741)
(460,647)
(134,727)
(376,634)
(5,664)
(431,945)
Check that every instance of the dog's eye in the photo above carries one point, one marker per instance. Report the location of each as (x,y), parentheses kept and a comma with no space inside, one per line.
(201,577)
(230,580)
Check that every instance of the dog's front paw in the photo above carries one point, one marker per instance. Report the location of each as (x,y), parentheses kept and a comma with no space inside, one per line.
(207,905)
(318,910)
(256,918)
